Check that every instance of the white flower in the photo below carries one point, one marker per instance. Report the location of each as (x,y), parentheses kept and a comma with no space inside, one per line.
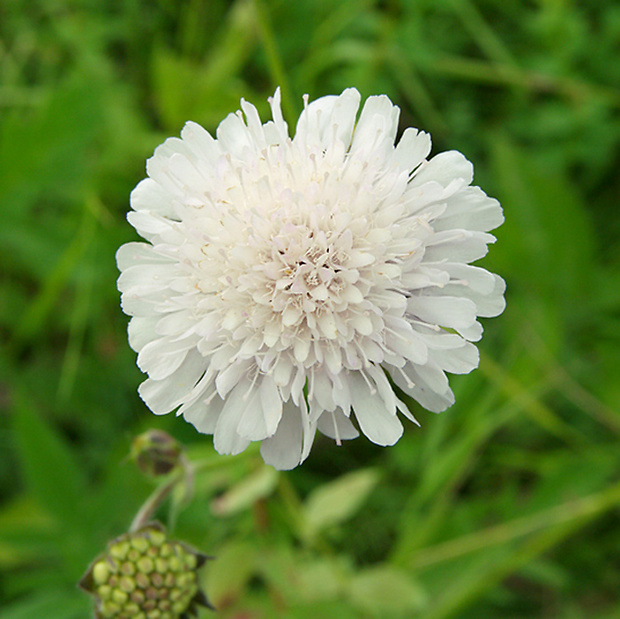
(285,281)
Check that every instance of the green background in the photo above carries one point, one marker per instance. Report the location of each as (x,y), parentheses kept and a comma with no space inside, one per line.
(504,506)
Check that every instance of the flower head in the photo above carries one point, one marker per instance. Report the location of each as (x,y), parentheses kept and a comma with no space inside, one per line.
(285,281)
(144,574)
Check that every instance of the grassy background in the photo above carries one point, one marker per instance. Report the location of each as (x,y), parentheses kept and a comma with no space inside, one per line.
(504,506)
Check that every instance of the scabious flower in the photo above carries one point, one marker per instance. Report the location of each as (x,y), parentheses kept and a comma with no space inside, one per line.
(286,283)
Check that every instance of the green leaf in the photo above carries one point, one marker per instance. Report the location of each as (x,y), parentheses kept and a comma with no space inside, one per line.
(337,501)
(68,604)
(322,579)
(547,242)
(207,91)
(244,494)
(229,574)
(23,531)
(45,153)
(385,591)
(50,472)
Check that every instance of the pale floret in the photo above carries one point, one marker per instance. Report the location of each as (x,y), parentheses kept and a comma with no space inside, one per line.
(285,281)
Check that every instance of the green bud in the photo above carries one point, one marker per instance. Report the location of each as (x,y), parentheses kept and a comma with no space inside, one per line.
(137,596)
(156,452)
(101,572)
(145,575)
(133,555)
(127,584)
(141,544)
(158,580)
(119,596)
(157,537)
(145,565)
(166,550)
(119,550)
(128,568)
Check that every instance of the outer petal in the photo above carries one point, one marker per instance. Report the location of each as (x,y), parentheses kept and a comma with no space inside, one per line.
(283,450)
(148,196)
(379,424)
(203,416)
(158,394)
(376,129)
(419,389)
(328,118)
(444,168)
(470,209)
(412,149)
(226,438)
(337,425)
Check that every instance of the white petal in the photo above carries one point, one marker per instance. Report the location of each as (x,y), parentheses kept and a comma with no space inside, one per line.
(271,402)
(421,391)
(472,333)
(233,136)
(226,439)
(279,125)
(337,425)
(475,278)
(461,360)
(137,254)
(383,386)
(169,147)
(177,323)
(451,312)
(328,118)
(379,424)
(444,168)
(407,343)
(252,426)
(203,416)
(146,277)
(412,148)
(201,143)
(163,396)
(283,450)
(376,128)
(470,209)
(149,195)
(254,124)
(228,378)
(141,331)
(148,224)
(160,360)
(457,246)
(487,304)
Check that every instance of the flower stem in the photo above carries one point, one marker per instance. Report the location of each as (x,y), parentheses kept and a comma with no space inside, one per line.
(185,473)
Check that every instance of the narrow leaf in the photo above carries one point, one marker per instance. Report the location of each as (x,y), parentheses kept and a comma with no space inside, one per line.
(337,501)
(49,470)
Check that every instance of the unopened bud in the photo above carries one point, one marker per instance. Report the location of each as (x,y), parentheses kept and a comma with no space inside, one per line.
(156,452)
(134,578)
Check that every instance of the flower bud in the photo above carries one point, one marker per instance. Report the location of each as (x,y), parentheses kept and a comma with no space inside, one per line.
(156,452)
(145,575)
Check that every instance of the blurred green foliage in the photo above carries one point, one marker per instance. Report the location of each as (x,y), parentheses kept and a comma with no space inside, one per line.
(504,506)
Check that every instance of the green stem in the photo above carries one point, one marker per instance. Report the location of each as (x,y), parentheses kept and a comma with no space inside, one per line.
(145,513)
(558,516)
(472,70)
(183,474)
